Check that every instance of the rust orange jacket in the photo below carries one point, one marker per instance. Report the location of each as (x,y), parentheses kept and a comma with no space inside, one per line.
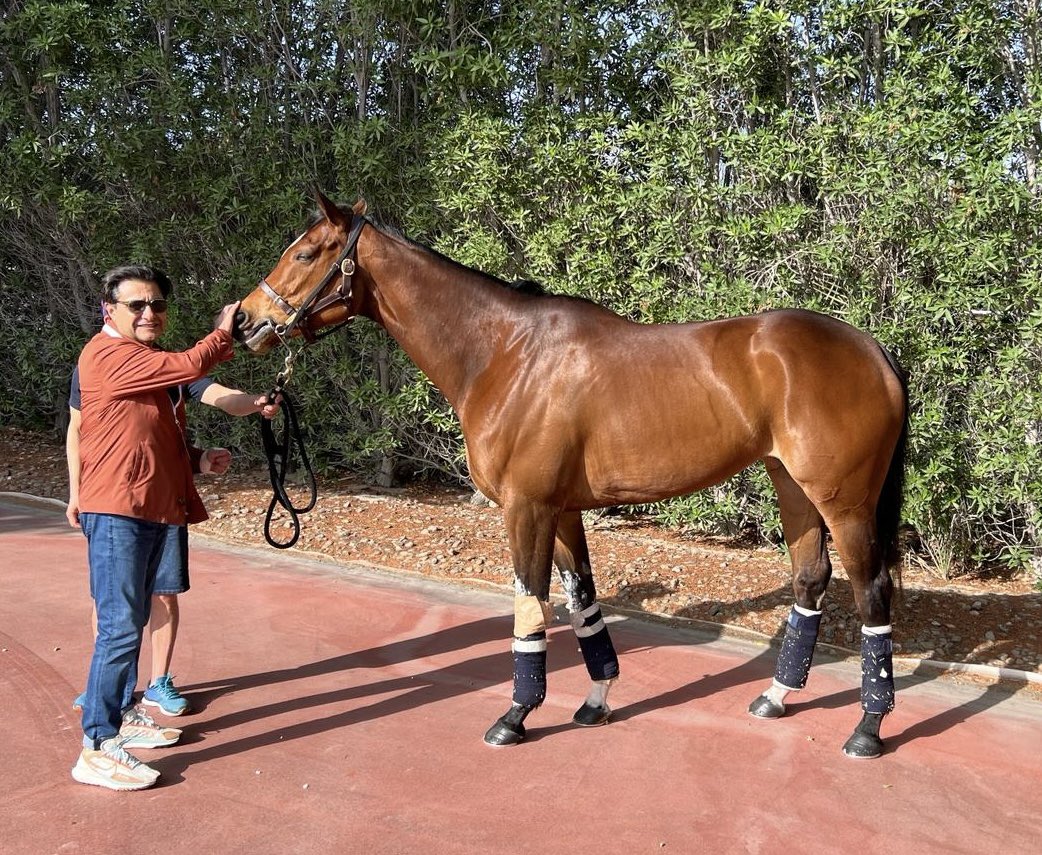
(135,460)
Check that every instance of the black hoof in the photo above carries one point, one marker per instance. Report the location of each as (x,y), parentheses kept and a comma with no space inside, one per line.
(764,707)
(504,733)
(864,742)
(590,716)
(864,746)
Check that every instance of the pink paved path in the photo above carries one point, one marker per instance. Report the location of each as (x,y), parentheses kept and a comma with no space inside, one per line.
(339,710)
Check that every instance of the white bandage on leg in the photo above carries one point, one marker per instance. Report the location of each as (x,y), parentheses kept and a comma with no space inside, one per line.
(530,645)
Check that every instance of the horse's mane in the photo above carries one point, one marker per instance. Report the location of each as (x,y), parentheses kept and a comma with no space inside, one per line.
(521,286)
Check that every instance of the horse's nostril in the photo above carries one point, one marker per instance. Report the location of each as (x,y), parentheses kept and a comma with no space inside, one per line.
(240,319)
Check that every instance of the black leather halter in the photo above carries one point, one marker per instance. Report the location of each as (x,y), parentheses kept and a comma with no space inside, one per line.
(315,302)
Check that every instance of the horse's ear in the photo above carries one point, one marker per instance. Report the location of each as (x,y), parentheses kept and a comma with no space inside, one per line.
(360,207)
(330,210)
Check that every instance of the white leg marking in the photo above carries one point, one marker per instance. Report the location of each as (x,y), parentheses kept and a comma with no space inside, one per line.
(777,693)
(598,696)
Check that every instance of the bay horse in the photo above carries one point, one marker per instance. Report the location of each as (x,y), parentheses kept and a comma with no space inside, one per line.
(566,406)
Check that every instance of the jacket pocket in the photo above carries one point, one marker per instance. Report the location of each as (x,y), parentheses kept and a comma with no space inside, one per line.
(141,476)
(136,465)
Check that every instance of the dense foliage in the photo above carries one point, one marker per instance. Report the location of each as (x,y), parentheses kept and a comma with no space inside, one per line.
(873,159)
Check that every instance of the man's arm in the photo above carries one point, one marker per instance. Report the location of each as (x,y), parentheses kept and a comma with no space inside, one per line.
(236,403)
(72,459)
(127,368)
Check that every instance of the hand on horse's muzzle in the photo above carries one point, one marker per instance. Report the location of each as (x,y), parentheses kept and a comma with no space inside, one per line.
(239,325)
(228,318)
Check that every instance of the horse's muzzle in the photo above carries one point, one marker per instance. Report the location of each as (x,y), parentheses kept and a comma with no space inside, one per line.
(258,338)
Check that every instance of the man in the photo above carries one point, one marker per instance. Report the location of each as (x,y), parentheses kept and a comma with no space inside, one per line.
(172,576)
(135,489)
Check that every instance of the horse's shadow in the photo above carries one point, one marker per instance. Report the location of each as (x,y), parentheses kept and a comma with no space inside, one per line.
(761,666)
(403,693)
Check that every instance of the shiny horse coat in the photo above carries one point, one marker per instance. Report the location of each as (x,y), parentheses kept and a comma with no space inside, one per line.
(566,406)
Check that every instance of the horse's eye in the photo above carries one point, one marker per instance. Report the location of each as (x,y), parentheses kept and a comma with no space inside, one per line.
(304,257)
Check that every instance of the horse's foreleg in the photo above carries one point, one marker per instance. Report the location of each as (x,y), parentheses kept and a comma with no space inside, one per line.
(602,664)
(532,615)
(805,535)
(531,532)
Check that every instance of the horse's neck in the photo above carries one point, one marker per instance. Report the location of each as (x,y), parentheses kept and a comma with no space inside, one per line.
(443,315)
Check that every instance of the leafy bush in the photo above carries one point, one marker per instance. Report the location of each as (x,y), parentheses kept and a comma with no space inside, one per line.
(877,162)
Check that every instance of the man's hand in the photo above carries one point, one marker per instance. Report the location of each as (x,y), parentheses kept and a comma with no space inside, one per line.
(215,461)
(72,512)
(226,318)
(268,409)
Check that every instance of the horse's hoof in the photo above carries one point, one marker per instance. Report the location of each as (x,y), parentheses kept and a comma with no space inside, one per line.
(764,707)
(863,746)
(591,716)
(504,733)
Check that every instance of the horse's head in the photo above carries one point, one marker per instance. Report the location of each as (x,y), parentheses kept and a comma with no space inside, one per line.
(310,287)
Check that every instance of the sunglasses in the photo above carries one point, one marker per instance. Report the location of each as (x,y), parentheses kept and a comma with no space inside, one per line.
(158,305)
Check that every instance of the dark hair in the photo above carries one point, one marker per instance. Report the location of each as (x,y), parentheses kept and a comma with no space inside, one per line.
(111,281)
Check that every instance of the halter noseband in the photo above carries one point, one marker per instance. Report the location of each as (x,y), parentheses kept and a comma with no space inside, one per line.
(298,317)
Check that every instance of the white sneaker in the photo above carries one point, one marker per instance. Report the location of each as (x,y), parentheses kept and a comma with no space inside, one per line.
(112,767)
(139,730)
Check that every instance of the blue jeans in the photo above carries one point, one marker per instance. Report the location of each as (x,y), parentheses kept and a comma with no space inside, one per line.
(123,554)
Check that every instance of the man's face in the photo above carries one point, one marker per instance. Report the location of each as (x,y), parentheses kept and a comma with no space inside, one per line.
(144,326)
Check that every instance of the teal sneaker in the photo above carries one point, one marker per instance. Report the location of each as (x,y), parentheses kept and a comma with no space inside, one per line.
(162,694)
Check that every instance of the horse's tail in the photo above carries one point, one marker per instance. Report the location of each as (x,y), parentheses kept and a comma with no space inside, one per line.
(891,498)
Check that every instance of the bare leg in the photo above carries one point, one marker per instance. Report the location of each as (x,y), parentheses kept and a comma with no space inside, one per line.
(163,632)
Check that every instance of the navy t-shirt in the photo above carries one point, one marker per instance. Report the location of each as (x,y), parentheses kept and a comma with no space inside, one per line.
(193,390)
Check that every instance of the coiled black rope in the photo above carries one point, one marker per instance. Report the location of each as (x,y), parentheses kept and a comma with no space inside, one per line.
(278,452)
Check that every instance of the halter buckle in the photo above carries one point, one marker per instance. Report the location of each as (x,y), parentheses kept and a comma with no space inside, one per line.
(347,267)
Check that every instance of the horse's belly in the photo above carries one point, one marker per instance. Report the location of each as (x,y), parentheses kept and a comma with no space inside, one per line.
(650,467)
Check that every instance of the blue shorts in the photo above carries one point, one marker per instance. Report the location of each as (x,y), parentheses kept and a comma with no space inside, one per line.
(172,575)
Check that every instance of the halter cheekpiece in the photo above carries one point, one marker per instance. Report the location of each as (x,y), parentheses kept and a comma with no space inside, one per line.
(312,305)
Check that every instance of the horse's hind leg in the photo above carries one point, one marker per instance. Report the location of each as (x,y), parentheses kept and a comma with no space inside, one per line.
(856,541)
(573,563)
(804,531)
(531,531)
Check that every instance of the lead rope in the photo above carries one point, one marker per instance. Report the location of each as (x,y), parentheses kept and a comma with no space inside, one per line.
(278,453)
